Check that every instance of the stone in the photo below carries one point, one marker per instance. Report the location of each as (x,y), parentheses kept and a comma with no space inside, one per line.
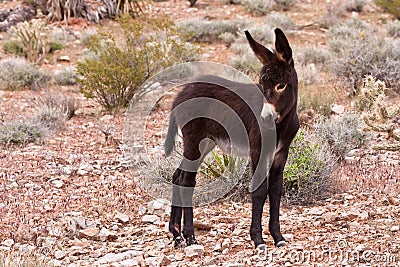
(106,235)
(58,183)
(8,242)
(337,109)
(150,218)
(122,218)
(194,250)
(129,263)
(395,228)
(89,233)
(59,254)
(117,257)
(64,58)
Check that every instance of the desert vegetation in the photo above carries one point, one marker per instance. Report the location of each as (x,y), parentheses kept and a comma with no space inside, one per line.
(69,196)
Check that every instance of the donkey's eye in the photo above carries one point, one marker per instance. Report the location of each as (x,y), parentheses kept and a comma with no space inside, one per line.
(264,77)
(281,86)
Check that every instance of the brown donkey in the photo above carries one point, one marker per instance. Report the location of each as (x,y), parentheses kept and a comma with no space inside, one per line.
(274,98)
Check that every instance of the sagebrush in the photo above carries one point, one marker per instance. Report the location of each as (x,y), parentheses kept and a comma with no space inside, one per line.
(360,49)
(17,74)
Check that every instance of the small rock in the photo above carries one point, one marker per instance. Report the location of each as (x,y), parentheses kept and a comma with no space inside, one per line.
(225,251)
(394,228)
(59,254)
(88,233)
(122,218)
(129,263)
(194,250)
(179,256)
(217,247)
(106,234)
(150,218)
(393,201)
(58,183)
(8,242)
(26,248)
(337,109)
(350,160)
(316,211)
(64,58)
(288,237)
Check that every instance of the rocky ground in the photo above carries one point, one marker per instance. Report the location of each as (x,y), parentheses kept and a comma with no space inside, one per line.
(73,201)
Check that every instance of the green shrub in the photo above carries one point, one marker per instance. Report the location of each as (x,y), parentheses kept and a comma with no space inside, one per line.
(361,50)
(342,133)
(121,67)
(391,6)
(393,28)
(20,133)
(202,30)
(85,35)
(245,60)
(54,46)
(307,174)
(13,47)
(335,12)
(17,73)
(66,76)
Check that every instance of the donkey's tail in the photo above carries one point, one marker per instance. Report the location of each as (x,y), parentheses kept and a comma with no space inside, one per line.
(171,134)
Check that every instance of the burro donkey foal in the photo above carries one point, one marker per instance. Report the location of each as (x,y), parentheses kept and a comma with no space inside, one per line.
(221,106)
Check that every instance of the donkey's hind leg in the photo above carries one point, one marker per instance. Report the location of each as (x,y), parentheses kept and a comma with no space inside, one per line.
(202,148)
(176,210)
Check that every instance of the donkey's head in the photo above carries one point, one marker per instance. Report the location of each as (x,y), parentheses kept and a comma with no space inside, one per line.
(278,78)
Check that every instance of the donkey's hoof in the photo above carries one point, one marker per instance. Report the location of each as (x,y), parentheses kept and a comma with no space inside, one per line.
(179,242)
(281,243)
(261,247)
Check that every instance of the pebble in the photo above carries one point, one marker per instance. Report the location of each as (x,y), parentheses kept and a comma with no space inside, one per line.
(151,218)
(59,254)
(8,242)
(194,250)
(122,218)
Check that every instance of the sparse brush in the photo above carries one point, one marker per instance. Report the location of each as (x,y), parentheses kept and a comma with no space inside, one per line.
(393,28)
(335,12)
(17,73)
(342,133)
(20,133)
(202,30)
(50,118)
(312,55)
(260,7)
(308,172)
(13,47)
(63,104)
(66,76)
(18,259)
(355,5)
(307,74)
(85,35)
(227,37)
(277,20)
(361,50)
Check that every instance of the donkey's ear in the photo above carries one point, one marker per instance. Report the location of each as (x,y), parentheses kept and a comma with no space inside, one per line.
(282,47)
(262,53)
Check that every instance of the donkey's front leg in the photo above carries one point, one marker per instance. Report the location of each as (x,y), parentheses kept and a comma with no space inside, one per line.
(259,193)
(275,184)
